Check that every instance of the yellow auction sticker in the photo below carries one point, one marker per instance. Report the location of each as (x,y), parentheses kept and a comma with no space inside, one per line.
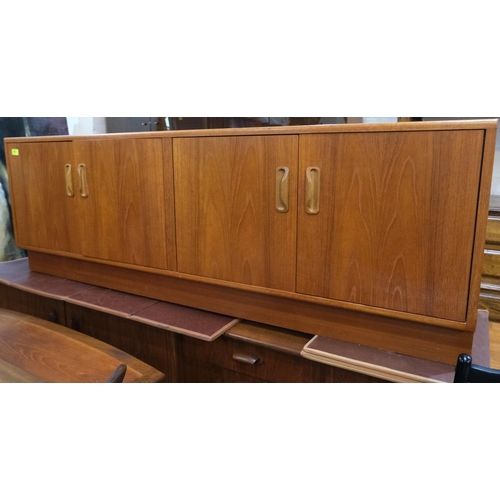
(15,152)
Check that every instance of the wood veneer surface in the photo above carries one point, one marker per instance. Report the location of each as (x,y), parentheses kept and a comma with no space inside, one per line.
(288,341)
(123,215)
(57,354)
(320,129)
(443,311)
(45,216)
(10,373)
(386,232)
(225,197)
(157,348)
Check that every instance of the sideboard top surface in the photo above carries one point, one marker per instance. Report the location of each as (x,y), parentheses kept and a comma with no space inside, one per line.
(290,130)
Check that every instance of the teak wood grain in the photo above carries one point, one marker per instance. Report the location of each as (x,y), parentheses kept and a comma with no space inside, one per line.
(398,240)
(10,373)
(228,227)
(393,208)
(123,218)
(268,364)
(168,174)
(156,347)
(57,354)
(288,341)
(44,215)
(124,213)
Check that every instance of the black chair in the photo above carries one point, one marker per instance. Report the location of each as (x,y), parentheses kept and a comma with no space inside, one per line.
(118,375)
(466,372)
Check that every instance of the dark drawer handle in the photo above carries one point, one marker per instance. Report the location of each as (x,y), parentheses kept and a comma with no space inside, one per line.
(53,316)
(247,359)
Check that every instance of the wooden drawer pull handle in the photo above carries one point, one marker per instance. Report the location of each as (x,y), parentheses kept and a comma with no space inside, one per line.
(69,181)
(84,188)
(312,190)
(282,189)
(247,359)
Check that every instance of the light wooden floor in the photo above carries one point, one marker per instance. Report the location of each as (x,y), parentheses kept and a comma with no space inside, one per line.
(495,344)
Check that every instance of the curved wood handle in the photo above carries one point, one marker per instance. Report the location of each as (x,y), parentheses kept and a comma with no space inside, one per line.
(247,359)
(282,189)
(312,190)
(69,180)
(84,188)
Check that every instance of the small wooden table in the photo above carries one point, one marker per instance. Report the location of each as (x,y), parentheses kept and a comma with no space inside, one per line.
(35,350)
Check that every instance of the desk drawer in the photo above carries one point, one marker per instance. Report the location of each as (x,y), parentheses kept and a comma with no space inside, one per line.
(35,305)
(196,371)
(253,360)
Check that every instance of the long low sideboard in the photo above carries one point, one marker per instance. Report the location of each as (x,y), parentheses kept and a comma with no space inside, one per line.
(367,233)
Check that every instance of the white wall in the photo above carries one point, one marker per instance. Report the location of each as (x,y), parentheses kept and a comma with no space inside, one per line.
(379,120)
(86,125)
(495,185)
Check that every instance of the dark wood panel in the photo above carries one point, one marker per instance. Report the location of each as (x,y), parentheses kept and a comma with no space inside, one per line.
(340,376)
(34,305)
(214,362)
(279,339)
(269,365)
(199,372)
(154,346)
(161,349)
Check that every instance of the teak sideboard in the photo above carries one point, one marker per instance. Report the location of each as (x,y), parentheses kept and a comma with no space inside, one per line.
(372,234)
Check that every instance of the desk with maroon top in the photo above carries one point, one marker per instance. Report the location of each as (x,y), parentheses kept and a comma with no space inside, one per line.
(189,345)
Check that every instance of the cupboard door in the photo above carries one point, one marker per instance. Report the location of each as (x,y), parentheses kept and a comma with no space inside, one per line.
(235,208)
(42,179)
(123,200)
(396,219)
